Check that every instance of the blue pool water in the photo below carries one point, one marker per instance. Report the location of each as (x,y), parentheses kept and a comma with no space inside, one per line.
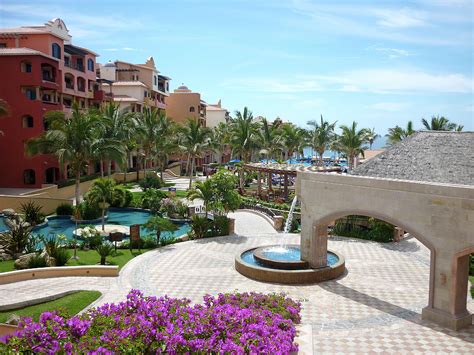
(3,226)
(282,254)
(57,225)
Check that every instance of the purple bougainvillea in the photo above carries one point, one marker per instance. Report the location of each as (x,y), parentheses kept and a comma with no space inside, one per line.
(229,323)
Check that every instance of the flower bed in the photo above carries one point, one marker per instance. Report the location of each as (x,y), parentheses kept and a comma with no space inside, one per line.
(230,323)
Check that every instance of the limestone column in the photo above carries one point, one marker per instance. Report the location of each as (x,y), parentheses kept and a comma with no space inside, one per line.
(314,243)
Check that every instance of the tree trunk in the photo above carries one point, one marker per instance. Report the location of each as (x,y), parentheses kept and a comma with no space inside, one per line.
(321,159)
(78,187)
(187,163)
(162,169)
(109,168)
(103,218)
(102,260)
(158,236)
(191,172)
(125,168)
(101,168)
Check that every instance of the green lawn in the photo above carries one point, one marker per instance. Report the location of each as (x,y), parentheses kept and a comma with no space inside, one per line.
(72,303)
(471,278)
(89,257)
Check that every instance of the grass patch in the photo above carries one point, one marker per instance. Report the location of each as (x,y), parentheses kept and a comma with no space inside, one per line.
(471,278)
(7,265)
(72,304)
(91,257)
(181,193)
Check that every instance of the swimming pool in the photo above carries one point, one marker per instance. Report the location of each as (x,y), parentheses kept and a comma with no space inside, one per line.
(125,217)
(3,226)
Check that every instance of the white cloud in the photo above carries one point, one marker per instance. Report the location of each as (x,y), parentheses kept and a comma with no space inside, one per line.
(393,52)
(389,106)
(365,80)
(400,18)
(120,49)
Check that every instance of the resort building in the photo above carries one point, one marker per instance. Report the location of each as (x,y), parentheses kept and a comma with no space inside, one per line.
(216,114)
(184,103)
(41,71)
(135,86)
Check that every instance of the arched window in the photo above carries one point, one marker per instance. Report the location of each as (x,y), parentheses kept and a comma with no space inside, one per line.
(27,121)
(90,64)
(81,84)
(29,177)
(56,49)
(26,66)
(191,109)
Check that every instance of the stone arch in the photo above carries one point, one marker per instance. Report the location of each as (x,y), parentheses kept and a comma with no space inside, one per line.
(323,221)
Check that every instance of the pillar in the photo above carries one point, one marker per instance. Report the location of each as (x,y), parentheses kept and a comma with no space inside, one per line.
(314,243)
(269,181)
(285,186)
(259,183)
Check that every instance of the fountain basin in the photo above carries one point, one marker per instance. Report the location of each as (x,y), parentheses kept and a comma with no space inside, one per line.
(286,258)
(269,269)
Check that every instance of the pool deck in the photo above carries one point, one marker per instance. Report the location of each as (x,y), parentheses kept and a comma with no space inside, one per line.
(374,307)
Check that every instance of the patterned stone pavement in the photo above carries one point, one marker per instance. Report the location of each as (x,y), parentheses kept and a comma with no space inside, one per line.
(375,307)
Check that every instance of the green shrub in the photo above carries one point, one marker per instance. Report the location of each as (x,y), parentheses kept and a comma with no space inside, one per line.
(32,213)
(127,200)
(376,230)
(171,239)
(104,250)
(95,241)
(64,209)
(151,181)
(62,256)
(37,261)
(220,226)
(199,226)
(17,238)
(380,231)
(148,242)
(151,199)
(89,210)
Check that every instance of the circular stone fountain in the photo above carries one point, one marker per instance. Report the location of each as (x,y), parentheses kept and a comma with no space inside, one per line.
(283,264)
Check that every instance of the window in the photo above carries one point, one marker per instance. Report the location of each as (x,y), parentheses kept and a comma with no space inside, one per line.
(167,86)
(29,177)
(145,94)
(26,67)
(155,80)
(30,94)
(56,49)
(3,45)
(27,121)
(90,65)
(191,109)
(81,84)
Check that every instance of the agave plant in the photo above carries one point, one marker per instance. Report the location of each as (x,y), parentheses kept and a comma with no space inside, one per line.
(17,239)
(104,250)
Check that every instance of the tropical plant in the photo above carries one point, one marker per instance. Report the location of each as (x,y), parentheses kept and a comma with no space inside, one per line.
(64,209)
(321,136)
(226,198)
(71,139)
(104,250)
(352,142)
(37,261)
(151,181)
(194,139)
(103,192)
(295,139)
(88,210)
(243,138)
(220,139)
(270,138)
(151,199)
(372,136)
(204,191)
(166,142)
(397,133)
(439,124)
(16,239)
(147,130)
(61,256)
(32,212)
(199,226)
(121,197)
(159,224)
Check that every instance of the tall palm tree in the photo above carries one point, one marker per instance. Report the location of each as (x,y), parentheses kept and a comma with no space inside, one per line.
(439,124)
(352,141)
(102,192)
(371,137)
(295,139)
(271,139)
(166,142)
(321,136)
(148,122)
(244,137)
(193,141)
(220,139)
(204,191)
(70,139)
(397,133)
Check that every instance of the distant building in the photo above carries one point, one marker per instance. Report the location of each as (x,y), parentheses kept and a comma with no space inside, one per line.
(135,86)
(183,104)
(41,71)
(216,114)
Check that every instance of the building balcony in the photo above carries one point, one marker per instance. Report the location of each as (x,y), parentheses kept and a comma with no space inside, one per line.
(75,66)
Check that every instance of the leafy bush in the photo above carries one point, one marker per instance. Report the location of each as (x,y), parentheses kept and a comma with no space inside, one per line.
(51,244)
(128,197)
(121,197)
(151,199)
(17,239)
(91,236)
(151,181)
(36,261)
(220,226)
(380,231)
(199,226)
(32,212)
(174,208)
(89,210)
(376,230)
(104,250)
(242,323)
(64,209)
(61,256)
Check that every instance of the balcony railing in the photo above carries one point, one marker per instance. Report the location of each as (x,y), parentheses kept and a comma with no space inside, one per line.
(69,86)
(48,77)
(74,66)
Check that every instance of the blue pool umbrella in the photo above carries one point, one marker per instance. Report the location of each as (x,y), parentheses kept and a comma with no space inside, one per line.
(234,161)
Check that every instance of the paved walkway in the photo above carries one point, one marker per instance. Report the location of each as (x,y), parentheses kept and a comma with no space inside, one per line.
(374,307)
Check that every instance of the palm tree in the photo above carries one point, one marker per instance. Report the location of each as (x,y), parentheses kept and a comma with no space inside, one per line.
(70,139)
(351,142)
(244,137)
(148,122)
(271,139)
(160,224)
(203,191)
(193,141)
(371,137)
(440,124)
(220,139)
(321,136)
(166,142)
(102,192)
(397,133)
(294,139)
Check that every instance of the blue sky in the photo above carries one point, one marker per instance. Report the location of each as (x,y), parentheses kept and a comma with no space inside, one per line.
(380,63)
